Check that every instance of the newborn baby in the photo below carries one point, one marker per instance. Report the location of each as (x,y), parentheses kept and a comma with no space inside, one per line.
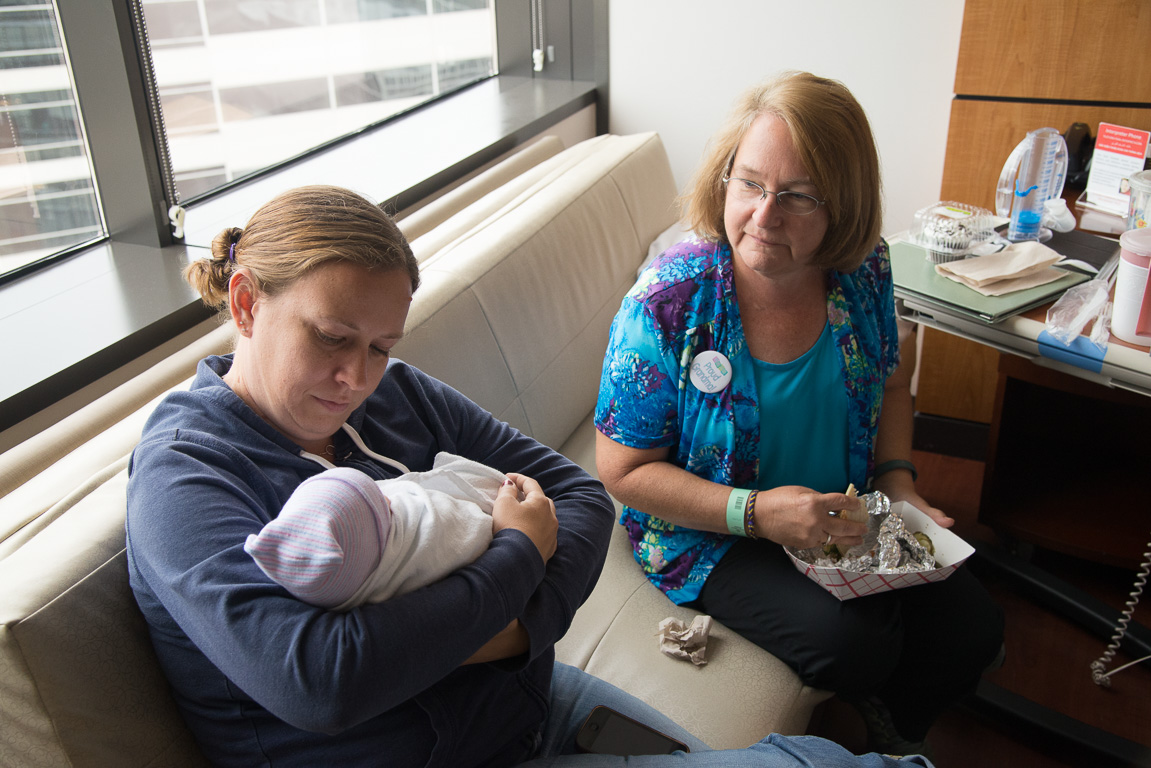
(343,539)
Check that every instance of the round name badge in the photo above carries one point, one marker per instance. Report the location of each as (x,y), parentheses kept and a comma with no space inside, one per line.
(710,371)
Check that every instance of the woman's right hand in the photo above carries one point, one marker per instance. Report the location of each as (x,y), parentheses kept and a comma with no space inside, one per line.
(799,517)
(522,505)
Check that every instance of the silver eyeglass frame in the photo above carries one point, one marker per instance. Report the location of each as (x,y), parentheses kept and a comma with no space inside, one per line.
(764,191)
(779,196)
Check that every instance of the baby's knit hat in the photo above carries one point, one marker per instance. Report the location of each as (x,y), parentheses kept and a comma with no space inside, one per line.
(327,539)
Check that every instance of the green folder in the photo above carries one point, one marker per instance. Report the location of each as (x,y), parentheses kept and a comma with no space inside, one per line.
(915,277)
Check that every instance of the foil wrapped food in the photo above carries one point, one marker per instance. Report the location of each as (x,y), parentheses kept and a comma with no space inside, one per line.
(888,546)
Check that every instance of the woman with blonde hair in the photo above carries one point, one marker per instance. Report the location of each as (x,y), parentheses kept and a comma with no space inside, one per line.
(753,373)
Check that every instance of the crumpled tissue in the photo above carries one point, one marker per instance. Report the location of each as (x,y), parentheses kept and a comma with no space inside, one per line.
(687,642)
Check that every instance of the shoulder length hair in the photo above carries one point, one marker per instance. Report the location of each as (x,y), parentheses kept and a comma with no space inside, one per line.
(834,141)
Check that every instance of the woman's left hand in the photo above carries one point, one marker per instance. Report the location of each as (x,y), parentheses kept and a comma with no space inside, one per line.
(522,504)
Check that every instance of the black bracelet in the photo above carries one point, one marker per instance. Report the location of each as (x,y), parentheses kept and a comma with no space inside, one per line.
(887,466)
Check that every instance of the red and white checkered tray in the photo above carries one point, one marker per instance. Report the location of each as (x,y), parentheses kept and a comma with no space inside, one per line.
(950,552)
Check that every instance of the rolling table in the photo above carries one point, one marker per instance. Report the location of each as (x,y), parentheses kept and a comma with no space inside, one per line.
(1054,409)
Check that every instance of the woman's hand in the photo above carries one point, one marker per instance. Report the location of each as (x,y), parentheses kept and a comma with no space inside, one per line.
(800,517)
(522,505)
(899,486)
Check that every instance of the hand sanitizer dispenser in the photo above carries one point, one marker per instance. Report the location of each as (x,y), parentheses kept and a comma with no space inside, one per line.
(1033,174)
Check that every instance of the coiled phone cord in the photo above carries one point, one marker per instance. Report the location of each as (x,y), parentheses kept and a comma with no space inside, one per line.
(1097,667)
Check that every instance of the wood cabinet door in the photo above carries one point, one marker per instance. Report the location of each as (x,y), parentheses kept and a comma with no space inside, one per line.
(1056,49)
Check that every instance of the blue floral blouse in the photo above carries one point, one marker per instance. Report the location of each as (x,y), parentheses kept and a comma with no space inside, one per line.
(684,304)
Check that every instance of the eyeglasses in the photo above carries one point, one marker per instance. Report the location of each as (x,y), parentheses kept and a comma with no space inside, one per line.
(747,191)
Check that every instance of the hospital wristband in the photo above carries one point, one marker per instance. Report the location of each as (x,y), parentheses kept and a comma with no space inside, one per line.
(736,509)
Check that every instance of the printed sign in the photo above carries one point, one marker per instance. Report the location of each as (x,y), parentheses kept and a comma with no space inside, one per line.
(1119,152)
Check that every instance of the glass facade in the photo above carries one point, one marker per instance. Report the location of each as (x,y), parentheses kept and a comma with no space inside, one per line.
(47,196)
(247,85)
(243,85)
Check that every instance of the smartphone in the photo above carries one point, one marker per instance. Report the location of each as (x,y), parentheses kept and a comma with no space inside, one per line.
(607,732)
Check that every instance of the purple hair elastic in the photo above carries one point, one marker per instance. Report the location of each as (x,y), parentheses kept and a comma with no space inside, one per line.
(232,253)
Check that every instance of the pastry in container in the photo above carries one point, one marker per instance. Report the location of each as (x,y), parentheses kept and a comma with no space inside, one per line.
(950,231)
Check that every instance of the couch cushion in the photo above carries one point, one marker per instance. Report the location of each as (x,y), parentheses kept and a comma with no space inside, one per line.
(625,615)
(79,682)
(572,229)
(613,636)
(433,215)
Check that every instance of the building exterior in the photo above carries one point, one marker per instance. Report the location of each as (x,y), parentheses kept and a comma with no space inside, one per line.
(243,84)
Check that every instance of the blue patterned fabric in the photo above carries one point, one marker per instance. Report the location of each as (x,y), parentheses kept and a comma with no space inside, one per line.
(684,304)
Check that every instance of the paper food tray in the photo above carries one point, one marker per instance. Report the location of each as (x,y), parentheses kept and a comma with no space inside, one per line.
(950,552)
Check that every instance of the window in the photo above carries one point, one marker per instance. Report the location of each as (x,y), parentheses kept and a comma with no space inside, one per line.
(243,85)
(47,198)
(248,84)
(74,321)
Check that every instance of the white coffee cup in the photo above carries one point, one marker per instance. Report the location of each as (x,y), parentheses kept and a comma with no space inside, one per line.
(1131,317)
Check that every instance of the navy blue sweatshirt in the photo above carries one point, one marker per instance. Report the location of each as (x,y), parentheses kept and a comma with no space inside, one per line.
(265,679)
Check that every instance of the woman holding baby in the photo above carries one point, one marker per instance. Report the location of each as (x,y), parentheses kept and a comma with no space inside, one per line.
(457,672)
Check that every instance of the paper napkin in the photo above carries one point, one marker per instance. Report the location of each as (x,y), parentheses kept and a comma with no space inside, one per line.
(1018,266)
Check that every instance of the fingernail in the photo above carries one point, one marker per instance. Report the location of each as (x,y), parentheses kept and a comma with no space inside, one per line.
(507,481)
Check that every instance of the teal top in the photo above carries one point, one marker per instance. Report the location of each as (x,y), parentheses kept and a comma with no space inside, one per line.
(803,420)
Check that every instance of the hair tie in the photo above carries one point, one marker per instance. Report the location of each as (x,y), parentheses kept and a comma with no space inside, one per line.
(232,253)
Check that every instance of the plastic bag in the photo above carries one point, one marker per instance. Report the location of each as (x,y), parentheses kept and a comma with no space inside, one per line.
(1101,331)
(1075,308)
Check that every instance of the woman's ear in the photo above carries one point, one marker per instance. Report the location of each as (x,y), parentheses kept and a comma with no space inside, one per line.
(242,294)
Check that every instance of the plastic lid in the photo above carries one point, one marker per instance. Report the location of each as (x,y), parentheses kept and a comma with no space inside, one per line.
(950,230)
(1140,181)
(1137,243)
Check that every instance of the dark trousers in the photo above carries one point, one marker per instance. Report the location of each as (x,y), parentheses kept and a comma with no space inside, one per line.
(919,649)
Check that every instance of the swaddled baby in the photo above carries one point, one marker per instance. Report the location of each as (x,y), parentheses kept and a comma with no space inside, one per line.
(343,539)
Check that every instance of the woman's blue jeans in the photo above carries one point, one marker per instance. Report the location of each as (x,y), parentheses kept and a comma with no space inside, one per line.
(575,693)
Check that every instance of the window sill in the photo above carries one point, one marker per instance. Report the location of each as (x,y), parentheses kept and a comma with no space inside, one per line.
(69,324)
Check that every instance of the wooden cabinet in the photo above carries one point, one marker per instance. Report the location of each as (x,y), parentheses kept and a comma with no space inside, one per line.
(1026,64)
(1075,50)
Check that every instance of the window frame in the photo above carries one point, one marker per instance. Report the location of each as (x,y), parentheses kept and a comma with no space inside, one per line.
(83,317)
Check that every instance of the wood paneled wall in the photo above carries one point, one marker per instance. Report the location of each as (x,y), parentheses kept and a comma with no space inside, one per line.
(1026,64)
(1076,50)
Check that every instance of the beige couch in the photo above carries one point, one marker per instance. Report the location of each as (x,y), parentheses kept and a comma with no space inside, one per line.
(523,269)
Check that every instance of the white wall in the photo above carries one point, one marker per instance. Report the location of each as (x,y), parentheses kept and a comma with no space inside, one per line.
(677,66)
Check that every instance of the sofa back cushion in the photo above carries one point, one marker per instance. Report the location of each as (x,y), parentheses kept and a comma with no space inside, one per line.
(430,216)
(42,477)
(515,313)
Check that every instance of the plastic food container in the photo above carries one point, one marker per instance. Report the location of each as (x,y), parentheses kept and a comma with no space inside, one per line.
(950,552)
(951,231)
